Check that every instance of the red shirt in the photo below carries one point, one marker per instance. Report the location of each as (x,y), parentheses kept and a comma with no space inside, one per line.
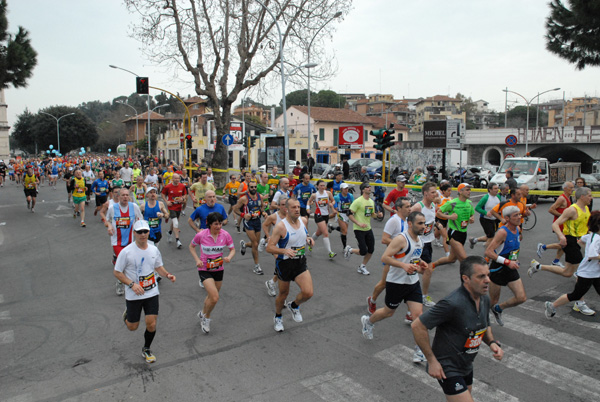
(293,183)
(176,195)
(394,195)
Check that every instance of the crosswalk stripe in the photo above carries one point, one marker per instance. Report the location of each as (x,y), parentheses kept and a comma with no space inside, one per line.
(5,315)
(555,375)
(564,340)
(7,337)
(394,357)
(336,387)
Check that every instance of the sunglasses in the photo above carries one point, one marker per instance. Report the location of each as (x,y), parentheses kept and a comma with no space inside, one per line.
(142,231)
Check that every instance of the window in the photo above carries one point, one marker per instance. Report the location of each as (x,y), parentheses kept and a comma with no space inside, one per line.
(321,134)
(335,137)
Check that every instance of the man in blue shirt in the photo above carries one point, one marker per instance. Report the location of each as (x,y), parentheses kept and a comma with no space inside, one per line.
(203,210)
(335,185)
(100,189)
(303,191)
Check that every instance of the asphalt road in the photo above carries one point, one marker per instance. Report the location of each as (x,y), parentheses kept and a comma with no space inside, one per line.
(62,337)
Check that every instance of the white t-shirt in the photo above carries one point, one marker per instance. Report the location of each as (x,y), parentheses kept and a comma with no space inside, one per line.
(139,265)
(395,225)
(151,179)
(126,173)
(590,269)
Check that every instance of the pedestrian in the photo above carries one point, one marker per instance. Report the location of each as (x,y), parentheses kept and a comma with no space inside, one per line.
(310,163)
(462,324)
(135,267)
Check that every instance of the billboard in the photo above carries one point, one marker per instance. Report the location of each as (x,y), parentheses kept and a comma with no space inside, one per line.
(351,137)
(434,134)
(275,147)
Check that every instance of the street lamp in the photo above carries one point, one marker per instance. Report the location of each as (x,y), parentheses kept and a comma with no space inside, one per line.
(131,72)
(528,103)
(336,15)
(136,121)
(57,127)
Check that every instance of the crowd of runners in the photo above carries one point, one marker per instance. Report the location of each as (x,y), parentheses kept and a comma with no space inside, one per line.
(136,199)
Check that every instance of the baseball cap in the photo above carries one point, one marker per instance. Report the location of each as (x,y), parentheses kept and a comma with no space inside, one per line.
(401,178)
(463,185)
(344,185)
(151,189)
(253,171)
(364,185)
(141,225)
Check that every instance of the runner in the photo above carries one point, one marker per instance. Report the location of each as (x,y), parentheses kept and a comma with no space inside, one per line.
(284,190)
(441,227)
(342,204)
(79,188)
(142,290)
(209,175)
(198,189)
(288,242)
(242,190)
(230,191)
(154,211)
(335,186)
(459,213)
(303,192)
(89,178)
(488,222)
(30,187)
(396,225)
(403,256)
(462,324)
(126,173)
(400,191)
(562,202)
(117,182)
(212,241)
(264,189)
(514,200)
(167,176)
(271,221)
(362,209)
(273,181)
(67,176)
(250,208)
(119,223)
(324,208)
(173,195)
(588,272)
(505,264)
(3,169)
(100,190)
(201,213)
(138,191)
(152,179)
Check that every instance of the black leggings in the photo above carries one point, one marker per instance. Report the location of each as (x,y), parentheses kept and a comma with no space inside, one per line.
(582,286)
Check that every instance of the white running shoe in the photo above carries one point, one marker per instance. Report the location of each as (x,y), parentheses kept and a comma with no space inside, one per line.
(271,290)
(278,321)
(295,312)
(262,244)
(347,252)
(549,311)
(472,243)
(258,270)
(428,301)
(243,247)
(204,323)
(558,264)
(408,318)
(363,270)
(582,307)
(534,267)
(200,283)
(179,245)
(418,356)
(540,249)
(170,237)
(367,327)
(120,288)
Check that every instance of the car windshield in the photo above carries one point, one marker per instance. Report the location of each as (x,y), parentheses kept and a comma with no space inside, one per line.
(375,165)
(518,166)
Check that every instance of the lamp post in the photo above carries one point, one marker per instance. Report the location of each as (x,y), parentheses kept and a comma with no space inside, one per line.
(136,121)
(528,103)
(148,125)
(57,126)
(336,15)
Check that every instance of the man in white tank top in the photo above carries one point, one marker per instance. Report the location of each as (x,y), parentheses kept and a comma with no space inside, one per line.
(288,243)
(403,255)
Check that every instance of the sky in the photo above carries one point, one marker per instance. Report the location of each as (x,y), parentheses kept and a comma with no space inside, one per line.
(409,49)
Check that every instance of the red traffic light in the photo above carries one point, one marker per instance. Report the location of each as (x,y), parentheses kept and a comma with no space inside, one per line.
(188,137)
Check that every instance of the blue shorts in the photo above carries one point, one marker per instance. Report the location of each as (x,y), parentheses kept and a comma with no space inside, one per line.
(253,224)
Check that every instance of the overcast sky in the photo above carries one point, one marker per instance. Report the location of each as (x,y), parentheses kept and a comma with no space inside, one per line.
(405,48)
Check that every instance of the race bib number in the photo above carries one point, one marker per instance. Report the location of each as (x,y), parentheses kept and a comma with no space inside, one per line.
(140,196)
(255,214)
(369,210)
(428,229)
(127,184)
(414,261)
(266,203)
(336,192)
(30,186)
(178,200)
(88,179)
(322,202)
(473,341)
(147,282)
(305,196)
(233,191)
(214,263)
(102,189)
(464,224)
(80,190)
(345,206)
(300,251)
(514,255)
(154,222)
(123,222)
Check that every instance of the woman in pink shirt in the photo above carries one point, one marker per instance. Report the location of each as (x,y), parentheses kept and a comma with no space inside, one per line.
(212,241)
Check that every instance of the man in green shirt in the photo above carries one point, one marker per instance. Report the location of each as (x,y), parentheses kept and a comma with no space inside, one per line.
(361,211)
(460,213)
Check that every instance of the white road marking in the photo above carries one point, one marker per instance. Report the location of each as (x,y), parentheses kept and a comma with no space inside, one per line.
(7,337)
(5,315)
(336,387)
(399,357)
(563,378)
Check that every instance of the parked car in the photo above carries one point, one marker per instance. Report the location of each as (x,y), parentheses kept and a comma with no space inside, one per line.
(320,168)
(291,166)
(592,182)
(357,164)
(375,167)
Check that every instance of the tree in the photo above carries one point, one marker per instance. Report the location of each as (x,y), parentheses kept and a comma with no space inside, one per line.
(40,130)
(517,117)
(574,34)
(327,98)
(17,57)
(228,46)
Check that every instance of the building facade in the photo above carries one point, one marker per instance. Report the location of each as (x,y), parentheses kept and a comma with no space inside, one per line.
(439,107)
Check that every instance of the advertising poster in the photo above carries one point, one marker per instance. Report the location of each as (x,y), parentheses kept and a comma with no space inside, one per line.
(275,148)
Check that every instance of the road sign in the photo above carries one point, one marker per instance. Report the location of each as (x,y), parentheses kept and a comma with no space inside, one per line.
(453,134)
(511,140)
(509,156)
(227,139)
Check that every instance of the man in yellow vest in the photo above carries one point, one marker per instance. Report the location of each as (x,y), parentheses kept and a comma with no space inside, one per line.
(30,185)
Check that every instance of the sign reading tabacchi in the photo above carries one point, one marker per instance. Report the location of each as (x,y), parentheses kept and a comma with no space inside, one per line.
(351,137)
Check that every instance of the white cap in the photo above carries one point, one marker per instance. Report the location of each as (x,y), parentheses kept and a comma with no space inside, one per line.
(150,189)
(141,225)
(344,185)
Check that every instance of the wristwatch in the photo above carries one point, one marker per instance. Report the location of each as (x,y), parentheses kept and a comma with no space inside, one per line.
(131,284)
(496,342)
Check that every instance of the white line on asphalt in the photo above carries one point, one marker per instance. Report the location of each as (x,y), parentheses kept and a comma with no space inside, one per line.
(7,337)
(336,387)
(5,315)
(396,357)
(563,378)
(564,340)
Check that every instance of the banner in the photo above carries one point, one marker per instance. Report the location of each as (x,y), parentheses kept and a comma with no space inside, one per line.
(275,147)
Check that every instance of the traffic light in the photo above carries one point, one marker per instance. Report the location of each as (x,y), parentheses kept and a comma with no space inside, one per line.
(188,141)
(253,139)
(141,85)
(388,138)
(379,140)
